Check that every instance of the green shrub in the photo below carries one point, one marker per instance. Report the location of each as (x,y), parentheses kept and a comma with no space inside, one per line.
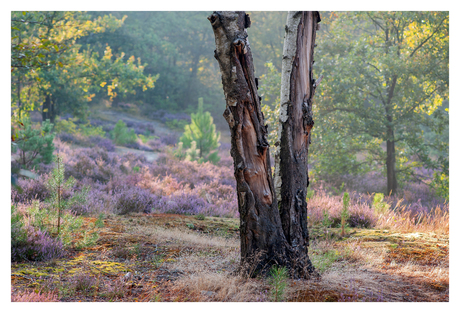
(121,135)
(69,127)
(35,145)
(66,126)
(379,205)
(176,124)
(440,184)
(58,213)
(88,130)
(344,214)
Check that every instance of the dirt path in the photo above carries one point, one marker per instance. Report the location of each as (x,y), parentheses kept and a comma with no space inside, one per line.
(160,130)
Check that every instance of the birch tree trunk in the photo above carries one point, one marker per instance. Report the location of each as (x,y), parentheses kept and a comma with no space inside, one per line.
(263,242)
(294,133)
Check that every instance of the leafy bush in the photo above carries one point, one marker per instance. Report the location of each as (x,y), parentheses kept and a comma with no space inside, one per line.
(122,135)
(440,184)
(66,126)
(34,145)
(379,205)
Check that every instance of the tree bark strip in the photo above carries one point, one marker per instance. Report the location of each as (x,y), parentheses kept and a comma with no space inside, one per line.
(294,134)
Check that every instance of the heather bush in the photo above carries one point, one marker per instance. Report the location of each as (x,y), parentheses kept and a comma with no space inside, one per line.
(133,199)
(169,139)
(31,244)
(83,282)
(30,189)
(101,142)
(69,138)
(359,214)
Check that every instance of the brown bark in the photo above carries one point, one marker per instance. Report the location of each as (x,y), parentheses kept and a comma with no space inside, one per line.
(296,123)
(260,225)
(263,242)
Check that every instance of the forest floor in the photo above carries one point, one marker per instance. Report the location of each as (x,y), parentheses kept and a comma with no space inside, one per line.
(167,257)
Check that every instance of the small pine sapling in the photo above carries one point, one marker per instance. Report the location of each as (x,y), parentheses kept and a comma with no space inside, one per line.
(202,131)
(121,135)
(278,281)
(344,214)
(57,184)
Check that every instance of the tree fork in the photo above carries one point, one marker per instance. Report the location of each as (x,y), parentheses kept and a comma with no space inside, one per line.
(263,242)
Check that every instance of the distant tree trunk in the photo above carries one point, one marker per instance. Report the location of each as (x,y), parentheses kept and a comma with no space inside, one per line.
(263,242)
(296,123)
(392,183)
(46,111)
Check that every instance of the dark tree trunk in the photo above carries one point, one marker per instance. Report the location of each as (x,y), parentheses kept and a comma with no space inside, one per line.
(48,112)
(296,123)
(260,225)
(263,242)
(392,183)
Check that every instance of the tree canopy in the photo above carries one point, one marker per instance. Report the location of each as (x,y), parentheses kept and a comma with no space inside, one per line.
(50,69)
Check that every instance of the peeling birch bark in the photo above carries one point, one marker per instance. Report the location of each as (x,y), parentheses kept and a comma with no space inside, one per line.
(294,133)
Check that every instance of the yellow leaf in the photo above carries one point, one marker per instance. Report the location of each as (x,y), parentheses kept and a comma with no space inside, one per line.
(103,84)
(45,110)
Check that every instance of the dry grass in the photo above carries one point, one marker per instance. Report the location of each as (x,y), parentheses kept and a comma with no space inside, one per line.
(436,221)
(180,264)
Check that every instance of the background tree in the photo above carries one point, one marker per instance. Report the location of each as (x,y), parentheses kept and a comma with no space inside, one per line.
(386,77)
(177,46)
(56,71)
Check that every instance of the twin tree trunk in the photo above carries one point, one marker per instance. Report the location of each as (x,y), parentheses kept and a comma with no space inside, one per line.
(273,229)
